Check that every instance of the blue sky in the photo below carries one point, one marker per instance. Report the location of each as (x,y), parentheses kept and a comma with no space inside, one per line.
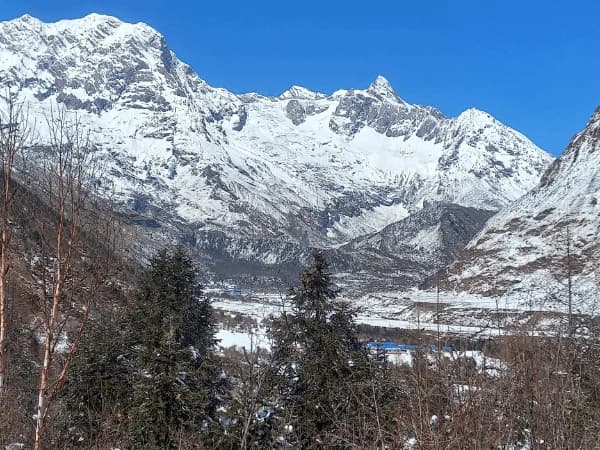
(532,64)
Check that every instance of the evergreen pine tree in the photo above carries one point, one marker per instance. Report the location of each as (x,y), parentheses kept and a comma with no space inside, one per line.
(155,367)
(319,358)
(177,382)
(98,390)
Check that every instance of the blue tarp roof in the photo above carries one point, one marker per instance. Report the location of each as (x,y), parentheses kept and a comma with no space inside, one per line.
(393,346)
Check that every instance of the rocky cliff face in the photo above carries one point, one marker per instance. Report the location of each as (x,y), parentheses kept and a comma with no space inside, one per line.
(403,253)
(532,245)
(250,178)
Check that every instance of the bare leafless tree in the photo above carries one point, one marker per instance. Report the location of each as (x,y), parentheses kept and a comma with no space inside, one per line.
(73,262)
(564,271)
(15,136)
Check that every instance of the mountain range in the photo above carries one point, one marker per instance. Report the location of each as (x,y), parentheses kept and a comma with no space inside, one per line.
(252,183)
(545,240)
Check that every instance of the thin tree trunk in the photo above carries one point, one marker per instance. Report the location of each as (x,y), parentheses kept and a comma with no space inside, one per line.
(41,409)
(14,134)
(42,405)
(69,174)
(570,283)
(3,287)
(8,153)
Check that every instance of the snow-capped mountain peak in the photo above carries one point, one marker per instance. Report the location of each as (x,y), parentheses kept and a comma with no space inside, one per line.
(382,89)
(27,18)
(302,169)
(300,92)
(526,247)
(475,117)
(589,139)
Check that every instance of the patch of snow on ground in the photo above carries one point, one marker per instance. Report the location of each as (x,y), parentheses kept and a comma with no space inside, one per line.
(243,339)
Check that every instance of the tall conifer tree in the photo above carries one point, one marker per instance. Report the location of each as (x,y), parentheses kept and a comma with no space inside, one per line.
(166,380)
(319,358)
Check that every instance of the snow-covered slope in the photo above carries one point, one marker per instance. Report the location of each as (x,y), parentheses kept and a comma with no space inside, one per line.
(255,178)
(405,252)
(532,245)
(436,234)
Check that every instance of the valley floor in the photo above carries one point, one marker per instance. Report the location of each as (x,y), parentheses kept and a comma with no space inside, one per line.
(450,313)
